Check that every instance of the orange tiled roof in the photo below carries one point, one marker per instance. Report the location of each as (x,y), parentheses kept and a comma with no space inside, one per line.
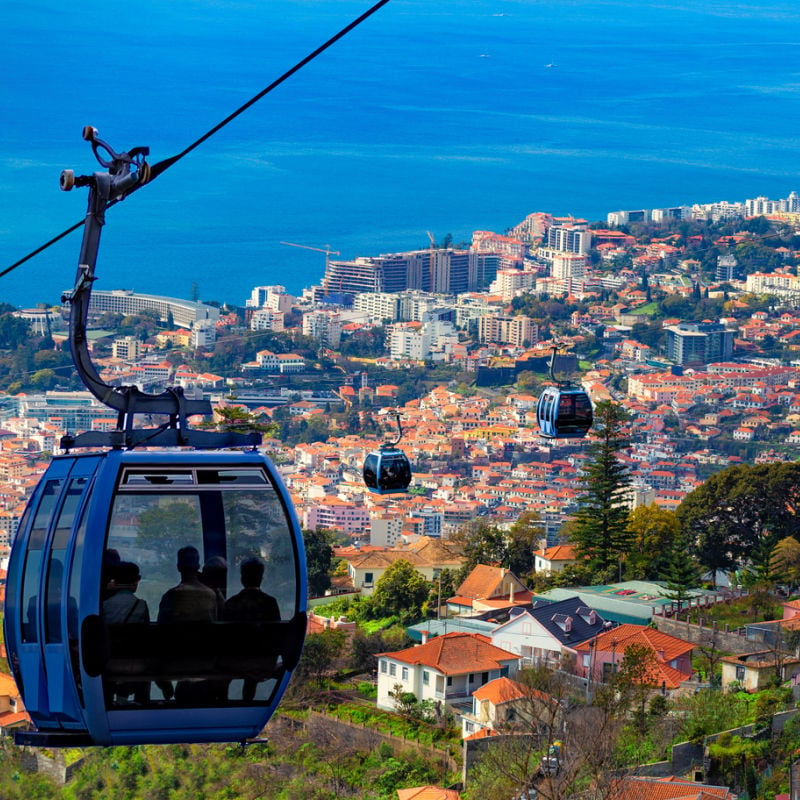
(484,581)
(455,654)
(639,788)
(561,552)
(500,690)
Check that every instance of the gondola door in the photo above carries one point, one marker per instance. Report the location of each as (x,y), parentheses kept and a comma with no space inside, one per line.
(27,594)
(59,596)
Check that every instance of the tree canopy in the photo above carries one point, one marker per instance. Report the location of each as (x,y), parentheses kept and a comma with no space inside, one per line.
(400,591)
(740,510)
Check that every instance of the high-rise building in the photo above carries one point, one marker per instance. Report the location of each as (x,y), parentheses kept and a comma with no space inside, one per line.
(570,238)
(694,343)
(726,267)
(442,271)
(520,331)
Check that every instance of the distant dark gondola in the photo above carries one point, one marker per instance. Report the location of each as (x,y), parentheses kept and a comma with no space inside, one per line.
(387,470)
(563,411)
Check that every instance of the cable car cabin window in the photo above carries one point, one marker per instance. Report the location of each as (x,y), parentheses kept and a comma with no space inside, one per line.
(197,565)
(73,595)
(574,411)
(55,569)
(33,560)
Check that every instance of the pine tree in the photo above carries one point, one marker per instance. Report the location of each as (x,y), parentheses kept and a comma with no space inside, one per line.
(682,574)
(600,531)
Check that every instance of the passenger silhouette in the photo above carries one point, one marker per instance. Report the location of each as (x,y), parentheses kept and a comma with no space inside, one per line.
(253,605)
(122,607)
(215,576)
(191,600)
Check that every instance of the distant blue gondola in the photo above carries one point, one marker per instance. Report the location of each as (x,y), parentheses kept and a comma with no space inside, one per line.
(563,411)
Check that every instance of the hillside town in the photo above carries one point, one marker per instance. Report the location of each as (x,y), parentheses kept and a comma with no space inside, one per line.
(684,322)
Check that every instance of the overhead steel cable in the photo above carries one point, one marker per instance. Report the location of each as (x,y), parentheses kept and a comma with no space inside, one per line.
(162,166)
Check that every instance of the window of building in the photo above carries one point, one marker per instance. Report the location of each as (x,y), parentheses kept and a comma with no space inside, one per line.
(426,677)
(449,681)
(383,667)
(405,673)
(393,669)
(367,577)
(740,671)
(472,677)
(484,677)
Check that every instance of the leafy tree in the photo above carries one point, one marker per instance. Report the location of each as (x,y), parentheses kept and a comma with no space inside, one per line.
(13,331)
(401,590)
(523,539)
(600,531)
(482,543)
(319,653)
(785,561)
(319,557)
(635,680)
(740,508)
(653,533)
(238,419)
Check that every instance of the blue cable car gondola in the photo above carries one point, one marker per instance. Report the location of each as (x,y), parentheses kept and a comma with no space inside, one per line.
(157,596)
(563,411)
(388,470)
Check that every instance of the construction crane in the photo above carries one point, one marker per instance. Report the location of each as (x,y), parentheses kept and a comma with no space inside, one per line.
(430,262)
(327,250)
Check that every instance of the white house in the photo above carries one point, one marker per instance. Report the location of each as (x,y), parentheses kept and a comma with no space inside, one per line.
(543,634)
(446,669)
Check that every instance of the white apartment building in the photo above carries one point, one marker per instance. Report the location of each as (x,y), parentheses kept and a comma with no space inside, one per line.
(324,326)
(511,282)
(126,347)
(379,306)
(773,283)
(204,334)
(266,319)
(272,297)
(576,238)
(568,265)
(183,313)
(385,529)
(409,340)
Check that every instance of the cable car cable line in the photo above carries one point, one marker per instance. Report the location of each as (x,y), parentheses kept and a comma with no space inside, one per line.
(104,649)
(162,166)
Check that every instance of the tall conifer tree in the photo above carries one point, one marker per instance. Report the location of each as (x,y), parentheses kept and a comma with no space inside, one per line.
(601,532)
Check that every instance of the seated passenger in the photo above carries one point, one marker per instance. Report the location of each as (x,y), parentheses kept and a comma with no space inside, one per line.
(191,600)
(253,605)
(122,607)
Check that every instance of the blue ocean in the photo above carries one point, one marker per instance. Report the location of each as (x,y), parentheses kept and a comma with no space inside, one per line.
(443,117)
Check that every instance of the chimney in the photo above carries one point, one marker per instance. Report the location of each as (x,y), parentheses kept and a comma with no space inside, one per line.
(425,635)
